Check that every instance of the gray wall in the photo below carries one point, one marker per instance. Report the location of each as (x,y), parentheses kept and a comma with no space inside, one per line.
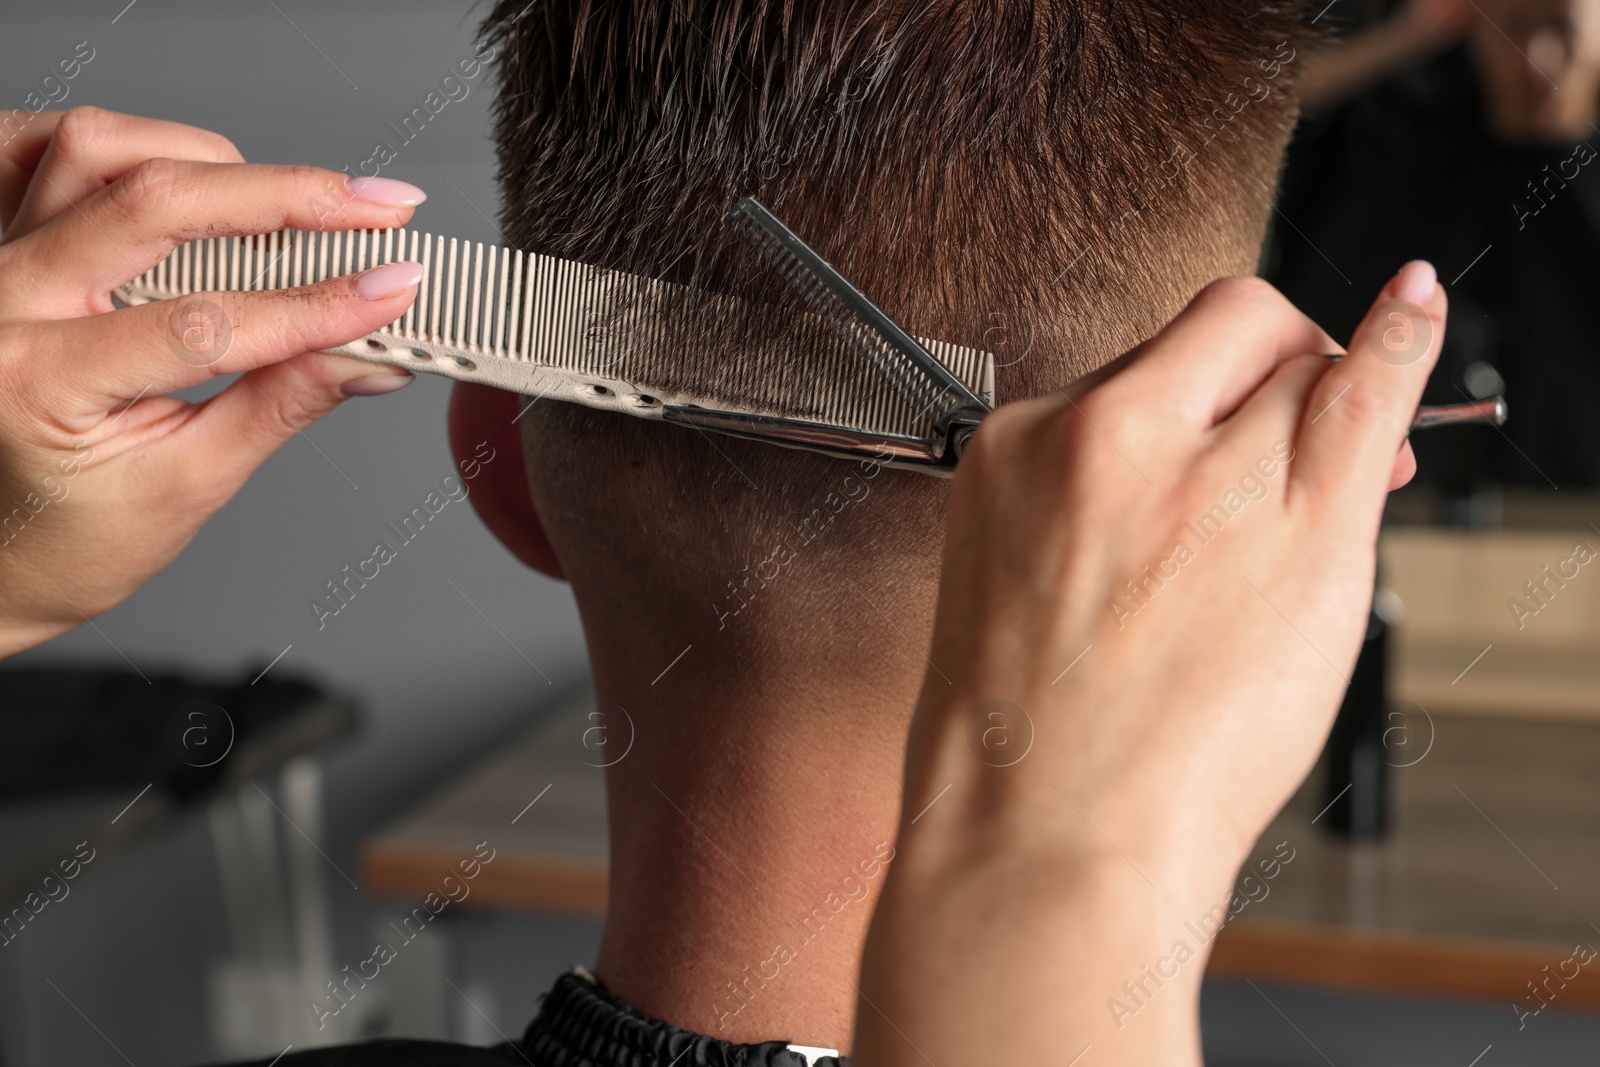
(439,684)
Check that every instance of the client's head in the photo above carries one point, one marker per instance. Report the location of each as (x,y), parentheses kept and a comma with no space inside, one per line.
(1051,180)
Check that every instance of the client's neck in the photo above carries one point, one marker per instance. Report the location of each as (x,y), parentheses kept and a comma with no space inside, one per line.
(753,821)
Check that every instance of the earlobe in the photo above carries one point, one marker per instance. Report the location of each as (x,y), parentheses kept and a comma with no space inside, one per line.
(487,446)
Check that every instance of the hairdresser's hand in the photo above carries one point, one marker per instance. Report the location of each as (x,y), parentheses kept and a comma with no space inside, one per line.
(103,476)
(1161,584)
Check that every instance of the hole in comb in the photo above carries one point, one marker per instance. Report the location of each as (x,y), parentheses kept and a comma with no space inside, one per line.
(376,346)
(465,364)
(644,401)
(420,354)
(599,390)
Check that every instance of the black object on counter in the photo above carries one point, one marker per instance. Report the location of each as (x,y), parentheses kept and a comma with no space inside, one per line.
(1356,790)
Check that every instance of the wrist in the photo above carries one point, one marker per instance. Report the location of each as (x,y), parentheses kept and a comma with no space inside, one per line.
(1113,962)
(1147,816)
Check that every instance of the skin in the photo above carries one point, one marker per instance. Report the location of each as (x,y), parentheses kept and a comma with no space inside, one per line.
(801,768)
(1540,65)
(797,749)
(89,199)
(1415,31)
(1538,61)
(1011,916)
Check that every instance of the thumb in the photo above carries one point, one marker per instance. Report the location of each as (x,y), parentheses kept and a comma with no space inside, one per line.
(1360,412)
(245,423)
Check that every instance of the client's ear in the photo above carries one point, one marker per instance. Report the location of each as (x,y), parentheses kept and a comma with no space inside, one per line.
(481,425)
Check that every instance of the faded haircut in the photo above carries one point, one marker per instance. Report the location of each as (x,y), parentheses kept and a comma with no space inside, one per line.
(1046,179)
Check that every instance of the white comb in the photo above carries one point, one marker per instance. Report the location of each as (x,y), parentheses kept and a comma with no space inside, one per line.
(606,339)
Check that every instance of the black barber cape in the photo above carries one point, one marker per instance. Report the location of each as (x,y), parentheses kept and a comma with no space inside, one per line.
(579,1024)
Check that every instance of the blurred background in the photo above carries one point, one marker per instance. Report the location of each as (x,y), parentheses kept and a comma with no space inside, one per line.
(274,797)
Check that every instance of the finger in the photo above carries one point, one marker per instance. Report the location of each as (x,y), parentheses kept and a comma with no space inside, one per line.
(1220,349)
(1273,413)
(1405,467)
(237,429)
(1365,403)
(93,147)
(27,135)
(1106,371)
(160,347)
(129,226)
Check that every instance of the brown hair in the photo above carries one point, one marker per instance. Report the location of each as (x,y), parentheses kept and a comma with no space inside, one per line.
(1050,180)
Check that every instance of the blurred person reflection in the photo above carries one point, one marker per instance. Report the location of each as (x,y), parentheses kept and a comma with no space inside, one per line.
(1464,130)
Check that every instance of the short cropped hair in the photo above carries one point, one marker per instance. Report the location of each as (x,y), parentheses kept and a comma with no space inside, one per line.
(1050,180)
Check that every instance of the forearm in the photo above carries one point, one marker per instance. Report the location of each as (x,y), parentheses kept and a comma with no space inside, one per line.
(1030,916)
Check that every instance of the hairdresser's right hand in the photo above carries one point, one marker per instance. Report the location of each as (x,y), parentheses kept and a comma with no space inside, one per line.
(1154,592)
(104,477)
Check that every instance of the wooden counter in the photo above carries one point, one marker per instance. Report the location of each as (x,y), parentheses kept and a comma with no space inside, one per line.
(1493,871)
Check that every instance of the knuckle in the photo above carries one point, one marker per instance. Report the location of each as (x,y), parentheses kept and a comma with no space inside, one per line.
(290,414)
(1076,431)
(309,184)
(83,128)
(31,386)
(295,320)
(292,407)
(1242,290)
(1360,402)
(223,150)
(149,186)
(1107,411)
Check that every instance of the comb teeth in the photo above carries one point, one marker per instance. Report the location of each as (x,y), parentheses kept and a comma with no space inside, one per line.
(474,299)
(908,382)
(606,339)
(916,374)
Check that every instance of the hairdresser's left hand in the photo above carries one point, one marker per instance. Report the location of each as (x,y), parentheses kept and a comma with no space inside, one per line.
(104,476)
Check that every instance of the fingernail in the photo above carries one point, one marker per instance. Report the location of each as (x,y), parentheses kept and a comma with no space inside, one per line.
(1415,282)
(377,384)
(387,280)
(386,191)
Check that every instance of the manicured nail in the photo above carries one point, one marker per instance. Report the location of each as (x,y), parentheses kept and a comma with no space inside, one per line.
(387,280)
(386,191)
(1415,282)
(377,384)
